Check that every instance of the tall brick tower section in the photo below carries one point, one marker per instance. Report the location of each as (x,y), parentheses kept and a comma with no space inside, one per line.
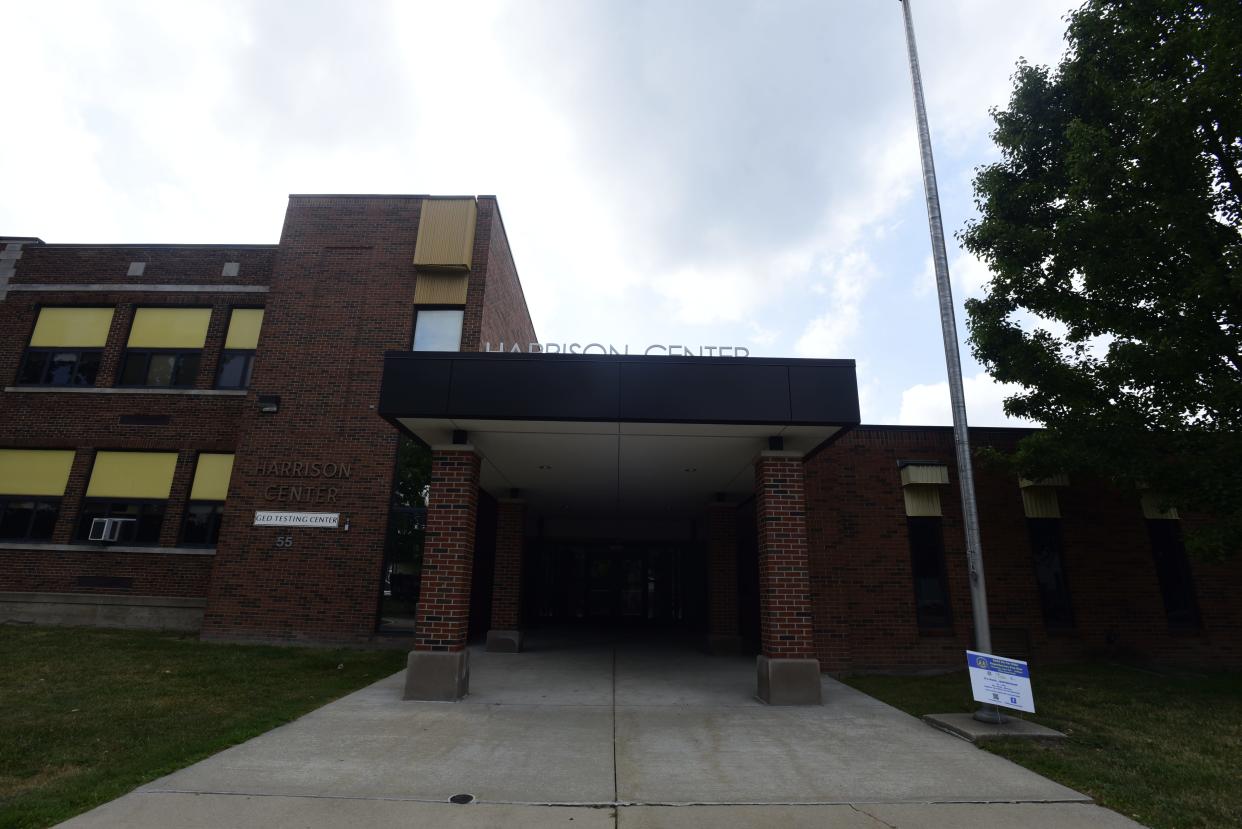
(344,289)
(787,667)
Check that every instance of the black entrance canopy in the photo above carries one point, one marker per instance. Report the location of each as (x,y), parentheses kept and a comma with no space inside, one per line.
(618,432)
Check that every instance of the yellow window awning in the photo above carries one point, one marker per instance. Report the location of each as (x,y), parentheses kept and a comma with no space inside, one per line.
(244,325)
(132,475)
(72,328)
(446,234)
(35,471)
(211,477)
(169,328)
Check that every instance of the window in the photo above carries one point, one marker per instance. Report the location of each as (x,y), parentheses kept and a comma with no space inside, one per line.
(202,525)
(32,482)
(437,329)
(160,368)
(205,511)
(145,518)
(237,359)
(164,347)
(23,519)
(1046,550)
(931,584)
(66,347)
(132,486)
(1173,570)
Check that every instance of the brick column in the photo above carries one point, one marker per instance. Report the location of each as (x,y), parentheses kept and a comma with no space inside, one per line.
(505,635)
(439,667)
(788,669)
(722,634)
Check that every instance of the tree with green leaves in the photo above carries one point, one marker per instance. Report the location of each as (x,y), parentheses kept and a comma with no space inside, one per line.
(1112,226)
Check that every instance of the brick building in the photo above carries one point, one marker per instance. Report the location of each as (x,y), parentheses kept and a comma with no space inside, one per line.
(206,437)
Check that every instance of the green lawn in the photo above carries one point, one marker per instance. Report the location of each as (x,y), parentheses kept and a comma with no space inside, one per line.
(1164,748)
(86,715)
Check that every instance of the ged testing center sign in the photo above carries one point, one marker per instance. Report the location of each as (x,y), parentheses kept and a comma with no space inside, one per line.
(297,519)
(999,681)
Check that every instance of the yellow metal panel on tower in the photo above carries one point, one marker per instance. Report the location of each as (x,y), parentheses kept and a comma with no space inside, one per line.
(169,328)
(34,471)
(72,328)
(1041,502)
(922,499)
(132,475)
(440,289)
(211,477)
(244,326)
(446,234)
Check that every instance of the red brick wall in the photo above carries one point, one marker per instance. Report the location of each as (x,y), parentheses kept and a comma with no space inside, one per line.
(861,570)
(505,315)
(507,583)
(153,574)
(785,612)
(722,570)
(342,294)
(90,421)
(186,264)
(448,552)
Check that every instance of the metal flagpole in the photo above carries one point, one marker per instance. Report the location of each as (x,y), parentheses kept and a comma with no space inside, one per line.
(953,361)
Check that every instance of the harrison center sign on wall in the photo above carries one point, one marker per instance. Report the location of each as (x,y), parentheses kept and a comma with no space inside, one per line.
(600,348)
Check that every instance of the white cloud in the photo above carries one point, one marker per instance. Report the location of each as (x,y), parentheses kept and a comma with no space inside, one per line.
(708,170)
(843,286)
(928,404)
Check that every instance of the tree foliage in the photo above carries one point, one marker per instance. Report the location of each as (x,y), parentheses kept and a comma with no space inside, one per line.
(1112,225)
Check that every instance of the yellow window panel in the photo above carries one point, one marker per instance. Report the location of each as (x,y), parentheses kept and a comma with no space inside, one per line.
(211,477)
(72,328)
(244,325)
(441,288)
(922,500)
(169,328)
(35,471)
(132,475)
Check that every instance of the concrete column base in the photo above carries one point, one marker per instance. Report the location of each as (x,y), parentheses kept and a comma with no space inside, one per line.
(723,644)
(504,641)
(442,676)
(789,681)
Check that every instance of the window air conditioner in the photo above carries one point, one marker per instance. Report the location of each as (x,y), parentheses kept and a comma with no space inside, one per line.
(107,529)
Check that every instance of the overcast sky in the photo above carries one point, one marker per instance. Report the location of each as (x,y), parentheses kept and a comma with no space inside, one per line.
(718,172)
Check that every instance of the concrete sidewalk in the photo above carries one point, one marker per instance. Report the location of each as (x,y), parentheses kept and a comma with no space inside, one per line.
(589,735)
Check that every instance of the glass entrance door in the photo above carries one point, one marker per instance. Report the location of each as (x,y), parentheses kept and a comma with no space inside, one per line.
(609,583)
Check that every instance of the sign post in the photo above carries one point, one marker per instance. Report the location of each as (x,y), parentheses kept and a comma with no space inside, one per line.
(995,680)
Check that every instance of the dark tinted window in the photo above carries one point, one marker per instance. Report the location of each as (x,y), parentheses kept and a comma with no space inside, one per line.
(27,519)
(134,373)
(88,368)
(931,587)
(1046,550)
(235,369)
(1173,570)
(202,524)
(163,369)
(59,368)
(33,367)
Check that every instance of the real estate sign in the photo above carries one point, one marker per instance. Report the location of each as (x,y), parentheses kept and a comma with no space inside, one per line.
(999,681)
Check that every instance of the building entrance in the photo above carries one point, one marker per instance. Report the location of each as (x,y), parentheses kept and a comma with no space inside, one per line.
(615,583)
